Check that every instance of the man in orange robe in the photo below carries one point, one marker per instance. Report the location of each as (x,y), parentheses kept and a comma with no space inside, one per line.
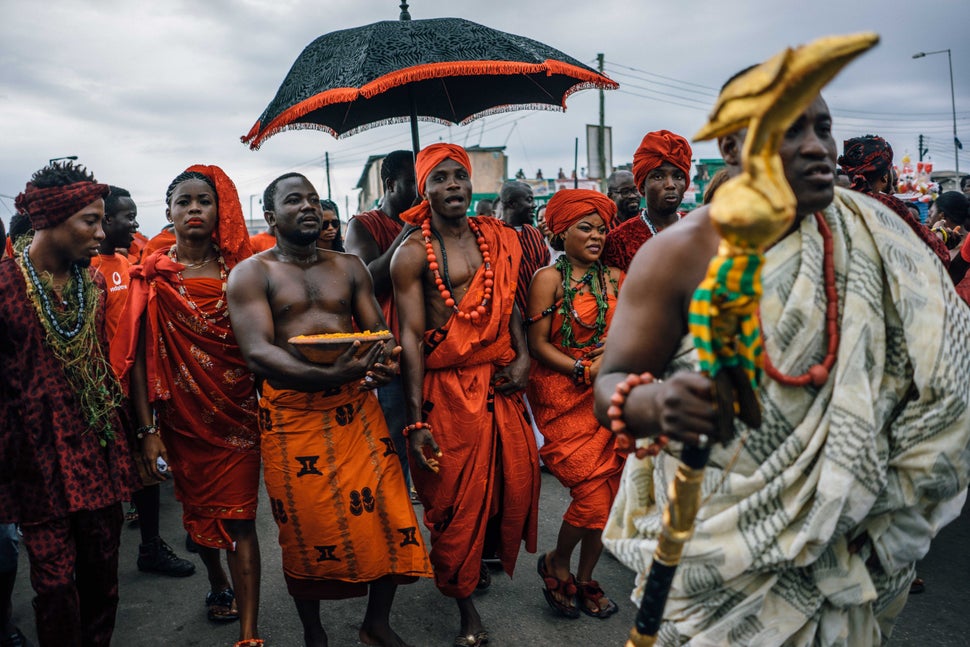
(120,224)
(465,361)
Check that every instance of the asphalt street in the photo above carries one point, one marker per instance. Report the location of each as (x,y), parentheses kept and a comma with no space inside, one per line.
(161,611)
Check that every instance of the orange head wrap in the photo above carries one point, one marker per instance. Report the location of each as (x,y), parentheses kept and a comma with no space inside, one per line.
(231,234)
(655,149)
(569,206)
(424,163)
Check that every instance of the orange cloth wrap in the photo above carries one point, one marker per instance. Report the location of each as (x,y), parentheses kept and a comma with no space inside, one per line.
(577,450)
(655,149)
(203,393)
(262,241)
(489,465)
(337,492)
(424,163)
(569,206)
(231,234)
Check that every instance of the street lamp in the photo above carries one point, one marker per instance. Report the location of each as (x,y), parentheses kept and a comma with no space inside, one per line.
(56,159)
(953,105)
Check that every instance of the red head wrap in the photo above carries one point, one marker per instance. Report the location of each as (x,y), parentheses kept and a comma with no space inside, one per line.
(569,206)
(51,206)
(863,156)
(231,234)
(659,147)
(424,163)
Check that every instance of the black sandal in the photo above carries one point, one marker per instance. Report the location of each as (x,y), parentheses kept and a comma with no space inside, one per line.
(221,607)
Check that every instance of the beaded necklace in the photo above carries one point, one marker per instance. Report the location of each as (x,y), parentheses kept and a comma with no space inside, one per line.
(443,284)
(818,374)
(649,223)
(597,271)
(45,301)
(79,350)
(221,311)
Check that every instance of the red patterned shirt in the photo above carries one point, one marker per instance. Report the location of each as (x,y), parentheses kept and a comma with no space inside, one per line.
(51,464)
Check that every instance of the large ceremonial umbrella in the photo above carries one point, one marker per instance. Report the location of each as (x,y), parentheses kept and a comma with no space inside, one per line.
(445,70)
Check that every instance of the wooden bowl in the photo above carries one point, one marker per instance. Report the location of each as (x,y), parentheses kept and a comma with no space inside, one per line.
(325,349)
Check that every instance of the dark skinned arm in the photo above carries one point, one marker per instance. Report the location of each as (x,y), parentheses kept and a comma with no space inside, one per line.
(515,376)
(407,268)
(151,444)
(647,327)
(252,323)
(368,316)
(360,243)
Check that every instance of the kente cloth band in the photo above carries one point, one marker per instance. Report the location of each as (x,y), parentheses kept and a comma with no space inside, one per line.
(51,206)
(656,148)
(231,234)
(862,156)
(424,163)
(568,206)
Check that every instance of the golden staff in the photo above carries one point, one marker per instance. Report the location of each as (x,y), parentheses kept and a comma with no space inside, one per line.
(750,212)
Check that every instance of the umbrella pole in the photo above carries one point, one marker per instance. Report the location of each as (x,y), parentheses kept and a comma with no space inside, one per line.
(415,144)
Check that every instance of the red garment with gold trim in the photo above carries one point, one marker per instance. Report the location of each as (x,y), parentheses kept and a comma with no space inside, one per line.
(203,393)
(489,465)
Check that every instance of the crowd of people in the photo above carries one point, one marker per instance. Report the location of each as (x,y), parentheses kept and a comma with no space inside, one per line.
(518,342)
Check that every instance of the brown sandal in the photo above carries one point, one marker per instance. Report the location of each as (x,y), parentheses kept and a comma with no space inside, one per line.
(553,584)
(592,592)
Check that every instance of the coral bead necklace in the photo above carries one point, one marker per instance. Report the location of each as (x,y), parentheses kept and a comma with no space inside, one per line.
(818,374)
(443,285)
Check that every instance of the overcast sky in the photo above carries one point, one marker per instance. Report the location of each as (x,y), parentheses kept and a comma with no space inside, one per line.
(141,90)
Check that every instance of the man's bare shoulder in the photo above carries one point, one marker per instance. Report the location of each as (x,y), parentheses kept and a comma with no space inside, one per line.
(411,253)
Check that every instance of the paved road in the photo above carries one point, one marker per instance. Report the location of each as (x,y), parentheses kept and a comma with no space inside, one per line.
(158,611)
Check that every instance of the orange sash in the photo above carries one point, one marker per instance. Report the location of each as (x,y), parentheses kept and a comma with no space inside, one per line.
(489,466)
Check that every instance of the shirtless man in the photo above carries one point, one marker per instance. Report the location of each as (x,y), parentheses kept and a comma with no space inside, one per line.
(465,361)
(350,469)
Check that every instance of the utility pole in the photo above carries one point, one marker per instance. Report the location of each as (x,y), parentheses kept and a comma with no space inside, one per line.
(601,132)
(326,161)
(922,151)
(576,164)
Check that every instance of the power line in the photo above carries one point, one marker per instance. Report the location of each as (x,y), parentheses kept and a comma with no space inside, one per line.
(716,91)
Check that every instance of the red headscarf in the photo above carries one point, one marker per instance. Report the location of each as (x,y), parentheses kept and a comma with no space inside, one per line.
(569,206)
(231,234)
(424,163)
(659,147)
(51,206)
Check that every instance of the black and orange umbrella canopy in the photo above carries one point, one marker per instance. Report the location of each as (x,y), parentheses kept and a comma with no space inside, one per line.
(445,70)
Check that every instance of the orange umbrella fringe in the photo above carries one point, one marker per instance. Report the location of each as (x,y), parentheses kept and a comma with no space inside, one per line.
(283,121)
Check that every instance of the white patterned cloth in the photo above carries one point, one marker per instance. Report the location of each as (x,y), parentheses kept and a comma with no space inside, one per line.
(881,448)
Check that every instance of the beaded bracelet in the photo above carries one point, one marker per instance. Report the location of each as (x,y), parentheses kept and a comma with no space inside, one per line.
(581,374)
(624,441)
(147,430)
(414,426)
